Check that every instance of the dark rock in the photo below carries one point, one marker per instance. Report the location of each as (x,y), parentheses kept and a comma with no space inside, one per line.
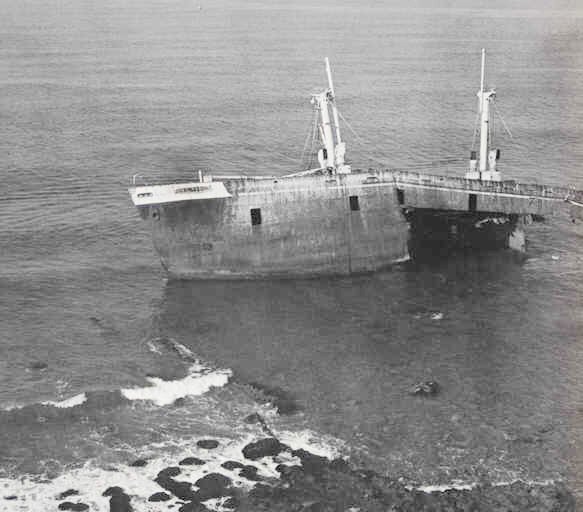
(231,464)
(75,507)
(426,388)
(159,496)
(112,491)
(281,399)
(66,494)
(311,463)
(213,485)
(182,490)
(169,472)
(38,365)
(260,491)
(231,502)
(268,447)
(250,473)
(140,463)
(253,418)
(119,501)
(193,506)
(11,497)
(192,461)
(207,444)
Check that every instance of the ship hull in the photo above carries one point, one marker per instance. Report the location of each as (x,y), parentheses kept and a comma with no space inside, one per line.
(310,225)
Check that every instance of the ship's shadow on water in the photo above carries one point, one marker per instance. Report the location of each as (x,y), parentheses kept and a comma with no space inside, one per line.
(349,350)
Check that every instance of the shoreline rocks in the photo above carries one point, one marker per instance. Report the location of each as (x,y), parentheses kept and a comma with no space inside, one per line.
(267,447)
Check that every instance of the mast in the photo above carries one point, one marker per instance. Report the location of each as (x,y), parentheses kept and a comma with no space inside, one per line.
(487,158)
(331,156)
(333,103)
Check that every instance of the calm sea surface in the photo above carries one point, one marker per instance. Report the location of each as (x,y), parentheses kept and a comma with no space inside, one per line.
(92,93)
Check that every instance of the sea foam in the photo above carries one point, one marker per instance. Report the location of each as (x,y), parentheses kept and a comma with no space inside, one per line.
(197,382)
(69,402)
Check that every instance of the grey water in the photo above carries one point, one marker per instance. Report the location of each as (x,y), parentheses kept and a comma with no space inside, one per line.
(92,94)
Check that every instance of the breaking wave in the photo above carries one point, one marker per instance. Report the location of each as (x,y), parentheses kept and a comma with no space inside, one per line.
(69,402)
(162,392)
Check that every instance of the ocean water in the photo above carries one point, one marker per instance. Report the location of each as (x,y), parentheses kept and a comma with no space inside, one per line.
(103,361)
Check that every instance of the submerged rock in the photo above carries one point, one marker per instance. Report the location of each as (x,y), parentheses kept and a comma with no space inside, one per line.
(281,399)
(193,506)
(140,463)
(311,463)
(67,493)
(250,473)
(38,365)
(268,447)
(425,388)
(159,496)
(192,461)
(74,507)
(232,464)
(207,444)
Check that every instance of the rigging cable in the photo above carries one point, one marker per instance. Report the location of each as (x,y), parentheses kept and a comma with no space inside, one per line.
(503,122)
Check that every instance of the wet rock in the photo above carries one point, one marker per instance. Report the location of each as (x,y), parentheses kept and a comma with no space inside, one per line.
(311,463)
(182,490)
(250,473)
(281,399)
(268,447)
(169,472)
(67,493)
(140,463)
(192,461)
(74,507)
(119,501)
(159,496)
(213,485)
(193,506)
(207,444)
(425,388)
(231,464)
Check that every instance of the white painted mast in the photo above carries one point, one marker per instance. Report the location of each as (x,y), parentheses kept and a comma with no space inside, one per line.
(332,155)
(333,103)
(487,162)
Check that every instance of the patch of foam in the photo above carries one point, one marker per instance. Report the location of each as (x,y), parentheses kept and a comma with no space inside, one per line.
(153,348)
(318,444)
(69,402)
(437,316)
(458,485)
(163,392)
